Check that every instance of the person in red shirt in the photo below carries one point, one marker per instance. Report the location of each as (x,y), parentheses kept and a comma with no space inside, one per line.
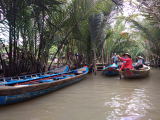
(127,63)
(123,56)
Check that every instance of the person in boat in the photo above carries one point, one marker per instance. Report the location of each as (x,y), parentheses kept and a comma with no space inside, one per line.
(127,62)
(51,57)
(115,57)
(139,63)
(123,56)
(143,61)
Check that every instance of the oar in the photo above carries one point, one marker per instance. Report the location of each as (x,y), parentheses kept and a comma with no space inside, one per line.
(120,75)
(119,72)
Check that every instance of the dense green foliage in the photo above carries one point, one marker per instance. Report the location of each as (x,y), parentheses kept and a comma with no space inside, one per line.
(37,29)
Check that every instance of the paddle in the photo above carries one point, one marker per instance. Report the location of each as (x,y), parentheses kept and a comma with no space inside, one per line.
(120,74)
(119,71)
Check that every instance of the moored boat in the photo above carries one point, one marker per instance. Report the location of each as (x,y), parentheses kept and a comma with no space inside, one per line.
(32,77)
(143,72)
(10,94)
(111,70)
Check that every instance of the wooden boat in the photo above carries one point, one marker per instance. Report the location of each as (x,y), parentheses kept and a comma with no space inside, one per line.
(12,93)
(31,77)
(128,73)
(111,70)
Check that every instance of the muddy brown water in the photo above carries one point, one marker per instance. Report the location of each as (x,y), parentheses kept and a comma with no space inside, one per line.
(94,98)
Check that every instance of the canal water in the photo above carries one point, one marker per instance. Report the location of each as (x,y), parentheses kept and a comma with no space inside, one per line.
(94,98)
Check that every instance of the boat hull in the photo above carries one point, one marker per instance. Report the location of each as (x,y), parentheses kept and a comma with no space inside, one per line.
(134,74)
(111,71)
(19,94)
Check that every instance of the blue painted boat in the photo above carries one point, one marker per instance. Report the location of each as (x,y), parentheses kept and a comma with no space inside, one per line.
(111,70)
(10,94)
(33,77)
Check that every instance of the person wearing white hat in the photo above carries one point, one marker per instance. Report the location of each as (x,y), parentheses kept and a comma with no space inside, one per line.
(139,63)
(115,57)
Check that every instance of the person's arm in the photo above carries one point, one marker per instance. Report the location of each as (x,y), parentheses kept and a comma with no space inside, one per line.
(112,57)
(122,66)
(140,62)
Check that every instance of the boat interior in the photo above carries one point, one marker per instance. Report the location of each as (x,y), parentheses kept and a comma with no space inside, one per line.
(39,78)
(33,76)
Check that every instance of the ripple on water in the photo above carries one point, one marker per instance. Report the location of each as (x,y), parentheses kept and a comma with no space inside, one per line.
(133,105)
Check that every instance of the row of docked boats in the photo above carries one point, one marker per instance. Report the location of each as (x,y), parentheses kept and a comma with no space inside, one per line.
(26,87)
(22,88)
(127,73)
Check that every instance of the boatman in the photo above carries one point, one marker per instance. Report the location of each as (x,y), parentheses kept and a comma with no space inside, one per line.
(115,57)
(127,63)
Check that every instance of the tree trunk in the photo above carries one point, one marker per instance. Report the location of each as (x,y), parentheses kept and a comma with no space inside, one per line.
(103,57)
(106,56)
(14,32)
(109,60)
(10,50)
(95,67)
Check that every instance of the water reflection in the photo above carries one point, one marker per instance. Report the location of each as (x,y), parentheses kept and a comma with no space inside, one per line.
(129,101)
(134,105)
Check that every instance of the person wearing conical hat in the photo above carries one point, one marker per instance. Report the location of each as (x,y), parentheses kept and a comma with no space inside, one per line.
(127,63)
(124,62)
(139,63)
